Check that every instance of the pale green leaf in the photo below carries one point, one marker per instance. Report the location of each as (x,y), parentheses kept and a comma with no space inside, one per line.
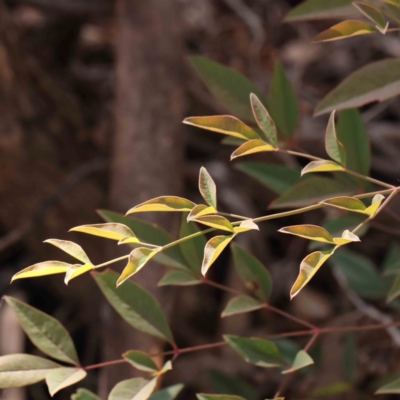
(45,332)
(377,81)
(240,305)
(321,166)
(77,270)
(140,360)
(390,388)
(169,393)
(179,278)
(17,370)
(215,221)
(111,230)
(282,103)
(346,203)
(264,120)
(308,268)
(252,272)
(163,203)
(344,30)
(310,232)
(213,249)
(201,210)
(228,86)
(224,124)
(373,13)
(165,368)
(334,148)
(394,291)
(135,305)
(252,147)
(133,389)
(302,360)
(260,352)
(42,269)
(207,188)
(60,378)
(276,177)
(203,396)
(70,248)
(84,394)
(245,226)
(138,258)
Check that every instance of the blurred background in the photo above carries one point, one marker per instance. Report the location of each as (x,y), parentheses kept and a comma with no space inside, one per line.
(92,95)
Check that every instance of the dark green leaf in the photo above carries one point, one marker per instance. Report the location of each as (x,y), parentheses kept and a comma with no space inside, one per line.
(179,278)
(320,9)
(333,146)
(394,291)
(233,385)
(84,394)
(169,393)
(391,265)
(240,305)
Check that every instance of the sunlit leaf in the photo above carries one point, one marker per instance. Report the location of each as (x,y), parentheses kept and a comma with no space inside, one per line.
(110,230)
(169,393)
(163,203)
(165,368)
(76,270)
(213,249)
(246,225)
(140,360)
(344,30)
(232,385)
(320,9)
(282,103)
(302,360)
(321,166)
(373,13)
(347,237)
(390,388)
(276,177)
(215,221)
(260,352)
(391,265)
(228,86)
(133,389)
(200,210)
(308,268)
(354,204)
(252,272)
(202,396)
(45,332)
(70,248)
(310,232)
(135,305)
(334,148)
(375,204)
(225,124)
(179,278)
(377,81)
(394,291)
(17,370)
(84,394)
(42,269)
(207,188)
(138,258)
(264,120)
(240,305)
(60,378)
(252,147)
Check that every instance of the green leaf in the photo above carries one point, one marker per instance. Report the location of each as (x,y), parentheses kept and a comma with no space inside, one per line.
(240,305)
(163,203)
(311,191)
(42,269)
(260,352)
(351,132)
(202,396)
(60,378)
(344,30)
(215,221)
(320,9)
(225,124)
(308,268)
(200,210)
(84,394)
(276,177)
(179,278)
(45,332)
(135,305)
(138,258)
(252,272)
(394,291)
(374,14)
(264,120)
(70,248)
(214,247)
(355,205)
(228,86)
(207,188)
(391,265)
(77,270)
(310,232)
(133,389)
(110,230)
(282,103)
(252,147)
(140,360)
(302,360)
(233,385)
(377,81)
(333,147)
(390,388)
(391,11)
(321,166)
(17,370)
(169,393)
(150,233)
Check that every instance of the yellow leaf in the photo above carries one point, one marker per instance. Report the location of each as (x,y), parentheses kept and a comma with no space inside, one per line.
(251,147)
(347,237)
(113,231)
(215,221)
(245,226)
(42,269)
(200,210)
(163,203)
(346,203)
(213,249)
(375,204)
(76,270)
(310,232)
(71,248)
(166,367)
(321,166)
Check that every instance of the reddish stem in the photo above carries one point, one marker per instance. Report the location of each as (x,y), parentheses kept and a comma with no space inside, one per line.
(222,287)
(290,316)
